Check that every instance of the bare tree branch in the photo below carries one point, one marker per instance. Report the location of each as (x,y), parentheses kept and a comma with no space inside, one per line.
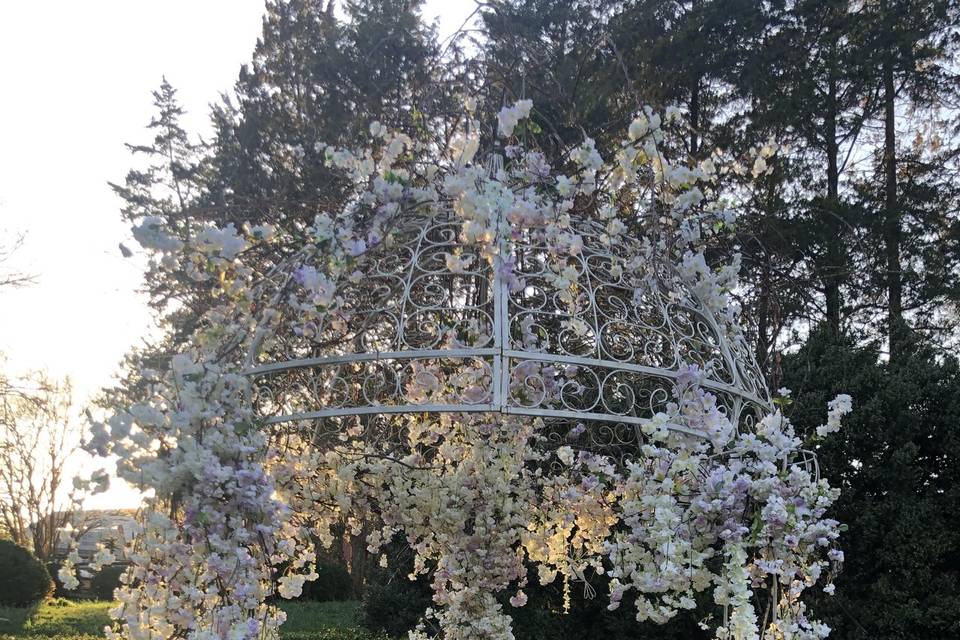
(38,436)
(13,279)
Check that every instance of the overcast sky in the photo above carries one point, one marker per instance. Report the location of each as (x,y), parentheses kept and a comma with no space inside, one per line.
(77,80)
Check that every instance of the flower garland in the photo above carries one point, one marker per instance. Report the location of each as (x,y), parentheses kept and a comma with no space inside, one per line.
(479,497)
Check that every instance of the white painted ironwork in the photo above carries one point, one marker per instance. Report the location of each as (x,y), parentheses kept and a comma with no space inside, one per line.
(411,336)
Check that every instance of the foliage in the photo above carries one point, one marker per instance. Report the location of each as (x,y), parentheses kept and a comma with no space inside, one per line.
(305,617)
(826,236)
(332,634)
(392,603)
(897,461)
(25,580)
(56,618)
(395,608)
(105,581)
(313,80)
(333,584)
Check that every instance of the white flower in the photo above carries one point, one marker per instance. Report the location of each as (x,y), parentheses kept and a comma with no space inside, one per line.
(615,227)
(836,409)
(639,127)
(291,586)
(101,558)
(323,227)
(68,578)
(457,264)
(759,167)
(265,232)
(224,241)
(510,117)
(464,146)
(150,234)
(587,156)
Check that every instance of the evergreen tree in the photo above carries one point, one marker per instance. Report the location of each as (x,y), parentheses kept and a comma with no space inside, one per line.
(910,45)
(314,80)
(897,463)
(806,87)
(165,185)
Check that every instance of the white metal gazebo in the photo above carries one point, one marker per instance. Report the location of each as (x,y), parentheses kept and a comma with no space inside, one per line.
(428,323)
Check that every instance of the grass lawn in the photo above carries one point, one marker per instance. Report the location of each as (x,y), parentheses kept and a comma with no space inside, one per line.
(66,620)
(56,618)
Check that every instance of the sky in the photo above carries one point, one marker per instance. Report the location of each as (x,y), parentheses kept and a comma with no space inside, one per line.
(77,79)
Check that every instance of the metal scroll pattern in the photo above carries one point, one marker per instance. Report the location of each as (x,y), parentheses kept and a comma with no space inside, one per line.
(613,342)
(426,324)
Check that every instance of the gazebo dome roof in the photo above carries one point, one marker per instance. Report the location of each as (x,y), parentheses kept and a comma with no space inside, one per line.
(425,323)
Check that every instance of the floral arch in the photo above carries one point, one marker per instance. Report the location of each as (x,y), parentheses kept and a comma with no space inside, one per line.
(529,373)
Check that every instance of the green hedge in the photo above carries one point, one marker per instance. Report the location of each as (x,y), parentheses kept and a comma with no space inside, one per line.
(24,580)
(333,634)
(333,584)
(105,581)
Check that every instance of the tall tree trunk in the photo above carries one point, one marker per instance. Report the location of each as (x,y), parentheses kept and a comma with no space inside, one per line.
(695,101)
(833,269)
(695,116)
(763,315)
(892,228)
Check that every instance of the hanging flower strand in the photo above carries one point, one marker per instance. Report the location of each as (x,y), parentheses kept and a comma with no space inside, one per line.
(703,502)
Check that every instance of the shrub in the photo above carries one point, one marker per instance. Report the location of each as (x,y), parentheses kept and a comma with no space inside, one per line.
(897,460)
(333,634)
(332,584)
(394,608)
(59,591)
(105,581)
(24,580)
(544,618)
(392,603)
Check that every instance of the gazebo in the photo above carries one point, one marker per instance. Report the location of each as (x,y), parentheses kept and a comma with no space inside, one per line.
(428,323)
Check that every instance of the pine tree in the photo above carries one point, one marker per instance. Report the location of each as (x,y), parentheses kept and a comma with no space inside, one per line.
(910,44)
(897,463)
(313,80)
(165,185)
(172,176)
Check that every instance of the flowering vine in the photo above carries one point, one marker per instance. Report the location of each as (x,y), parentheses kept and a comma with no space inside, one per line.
(704,506)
